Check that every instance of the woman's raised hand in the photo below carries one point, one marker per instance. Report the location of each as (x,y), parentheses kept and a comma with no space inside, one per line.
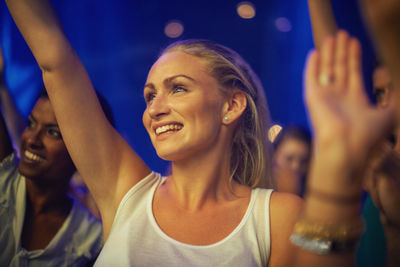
(342,117)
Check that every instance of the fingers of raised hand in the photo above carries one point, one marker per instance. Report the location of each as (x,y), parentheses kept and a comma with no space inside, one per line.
(311,70)
(340,66)
(355,82)
(325,77)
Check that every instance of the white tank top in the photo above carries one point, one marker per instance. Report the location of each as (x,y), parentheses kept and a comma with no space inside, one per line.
(137,240)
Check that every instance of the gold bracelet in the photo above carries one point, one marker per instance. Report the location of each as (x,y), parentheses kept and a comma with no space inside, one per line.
(338,232)
(327,238)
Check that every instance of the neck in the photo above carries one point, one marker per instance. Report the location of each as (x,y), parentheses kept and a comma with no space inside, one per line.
(202,179)
(44,199)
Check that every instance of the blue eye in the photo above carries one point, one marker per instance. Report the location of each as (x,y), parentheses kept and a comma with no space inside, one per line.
(149,97)
(179,88)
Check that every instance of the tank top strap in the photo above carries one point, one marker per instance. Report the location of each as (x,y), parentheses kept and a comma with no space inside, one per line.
(261,212)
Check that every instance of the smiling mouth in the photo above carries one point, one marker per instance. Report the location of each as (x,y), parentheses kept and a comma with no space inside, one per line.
(168,128)
(33,157)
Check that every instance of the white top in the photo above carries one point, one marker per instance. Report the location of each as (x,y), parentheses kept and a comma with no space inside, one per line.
(77,242)
(137,240)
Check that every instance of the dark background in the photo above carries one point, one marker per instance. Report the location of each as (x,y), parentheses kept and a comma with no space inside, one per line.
(119,40)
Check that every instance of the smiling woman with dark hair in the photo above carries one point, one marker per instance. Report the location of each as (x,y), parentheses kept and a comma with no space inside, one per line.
(40,222)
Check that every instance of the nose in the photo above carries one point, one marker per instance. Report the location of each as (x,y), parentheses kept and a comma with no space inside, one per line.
(34,139)
(295,165)
(159,106)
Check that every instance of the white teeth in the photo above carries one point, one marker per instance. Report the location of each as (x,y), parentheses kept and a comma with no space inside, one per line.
(34,157)
(169,127)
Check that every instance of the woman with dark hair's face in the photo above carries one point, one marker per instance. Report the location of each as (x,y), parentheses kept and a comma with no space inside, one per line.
(293,154)
(291,163)
(43,152)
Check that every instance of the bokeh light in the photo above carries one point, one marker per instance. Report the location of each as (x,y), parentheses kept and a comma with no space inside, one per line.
(273,132)
(283,24)
(173,29)
(246,10)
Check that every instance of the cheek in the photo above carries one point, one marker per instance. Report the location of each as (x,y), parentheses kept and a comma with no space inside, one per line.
(146,120)
(209,111)
(280,159)
(24,136)
(60,151)
(60,156)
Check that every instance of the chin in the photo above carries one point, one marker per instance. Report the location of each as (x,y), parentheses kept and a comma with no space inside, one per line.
(28,172)
(171,154)
(167,156)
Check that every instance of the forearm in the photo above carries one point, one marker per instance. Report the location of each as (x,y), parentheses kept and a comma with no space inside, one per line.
(332,201)
(383,21)
(389,49)
(14,120)
(323,21)
(39,25)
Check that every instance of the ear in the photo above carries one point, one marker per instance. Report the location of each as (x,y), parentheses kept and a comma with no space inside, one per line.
(234,107)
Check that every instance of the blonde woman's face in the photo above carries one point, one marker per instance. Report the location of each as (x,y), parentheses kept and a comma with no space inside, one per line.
(183,116)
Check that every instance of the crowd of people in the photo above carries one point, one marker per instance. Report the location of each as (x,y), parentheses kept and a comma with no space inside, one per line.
(206,113)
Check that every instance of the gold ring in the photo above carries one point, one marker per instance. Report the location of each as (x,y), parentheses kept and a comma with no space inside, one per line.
(325,79)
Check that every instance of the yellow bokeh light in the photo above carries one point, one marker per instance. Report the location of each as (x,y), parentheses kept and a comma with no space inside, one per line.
(246,10)
(273,132)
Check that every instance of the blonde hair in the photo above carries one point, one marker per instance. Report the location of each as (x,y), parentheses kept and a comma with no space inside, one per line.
(250,157)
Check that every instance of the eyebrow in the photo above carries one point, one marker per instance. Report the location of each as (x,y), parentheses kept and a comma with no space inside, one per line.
(169,80)
(47,124)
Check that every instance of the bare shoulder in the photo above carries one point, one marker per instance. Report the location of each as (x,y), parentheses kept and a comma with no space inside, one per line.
(284,204)
(284,210)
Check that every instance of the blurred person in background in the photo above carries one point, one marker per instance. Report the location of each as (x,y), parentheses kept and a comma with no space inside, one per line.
(291,157)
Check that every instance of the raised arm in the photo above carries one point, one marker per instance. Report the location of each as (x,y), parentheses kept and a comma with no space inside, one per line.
(106,162)
(14,120)
(383,21)
(323,21)
(342,117)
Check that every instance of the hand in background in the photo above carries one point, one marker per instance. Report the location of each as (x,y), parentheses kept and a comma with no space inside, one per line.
(342,117)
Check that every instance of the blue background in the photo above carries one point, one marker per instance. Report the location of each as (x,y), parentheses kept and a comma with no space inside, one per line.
(119,40)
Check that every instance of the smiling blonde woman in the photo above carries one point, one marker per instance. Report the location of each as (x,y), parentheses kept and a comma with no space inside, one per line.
(206,113)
